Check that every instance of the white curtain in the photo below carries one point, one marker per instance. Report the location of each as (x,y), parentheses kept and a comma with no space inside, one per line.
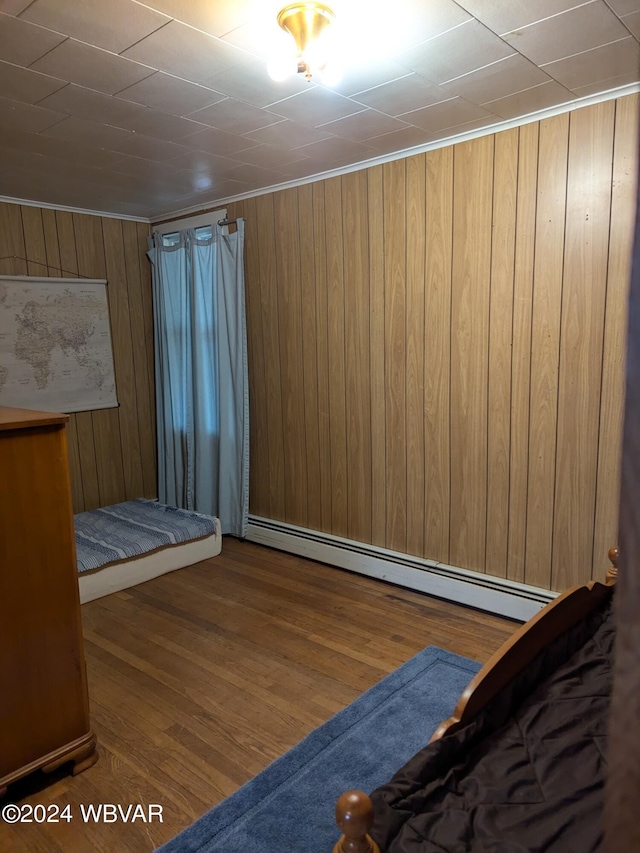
(202,399)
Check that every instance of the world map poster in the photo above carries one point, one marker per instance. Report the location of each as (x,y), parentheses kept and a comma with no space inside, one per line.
(55,344)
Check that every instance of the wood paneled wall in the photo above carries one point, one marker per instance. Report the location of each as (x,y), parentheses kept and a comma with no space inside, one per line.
(436,348)
(111,451)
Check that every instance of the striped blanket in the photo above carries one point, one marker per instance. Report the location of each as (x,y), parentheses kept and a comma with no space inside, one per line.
(134,528)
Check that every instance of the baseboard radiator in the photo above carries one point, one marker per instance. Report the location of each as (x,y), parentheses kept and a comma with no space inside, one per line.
(486,592)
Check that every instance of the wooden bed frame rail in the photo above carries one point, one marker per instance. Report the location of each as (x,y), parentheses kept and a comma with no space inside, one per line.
(354,809)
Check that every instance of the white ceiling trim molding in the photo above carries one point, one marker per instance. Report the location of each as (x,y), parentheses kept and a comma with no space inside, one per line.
(27,202)
(609,95)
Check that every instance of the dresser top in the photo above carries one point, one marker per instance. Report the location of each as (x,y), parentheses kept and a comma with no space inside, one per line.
(19,418)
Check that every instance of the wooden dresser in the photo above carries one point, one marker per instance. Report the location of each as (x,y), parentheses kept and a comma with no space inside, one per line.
(44,706)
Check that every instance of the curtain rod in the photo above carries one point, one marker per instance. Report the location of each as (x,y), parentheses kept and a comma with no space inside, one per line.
(229,221)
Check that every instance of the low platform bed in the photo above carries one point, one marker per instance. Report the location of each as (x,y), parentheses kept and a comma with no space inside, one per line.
(129,543)
(521,764)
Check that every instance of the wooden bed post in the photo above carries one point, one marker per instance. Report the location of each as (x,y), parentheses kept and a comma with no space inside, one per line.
(354,815)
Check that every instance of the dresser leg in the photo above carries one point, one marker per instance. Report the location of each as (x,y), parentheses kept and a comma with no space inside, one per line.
(82,756)
(85,758)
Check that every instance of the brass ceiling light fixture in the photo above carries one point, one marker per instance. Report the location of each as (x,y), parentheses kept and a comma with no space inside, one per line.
(310,25)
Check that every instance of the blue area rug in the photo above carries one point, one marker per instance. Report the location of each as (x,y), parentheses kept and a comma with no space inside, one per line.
(289,807)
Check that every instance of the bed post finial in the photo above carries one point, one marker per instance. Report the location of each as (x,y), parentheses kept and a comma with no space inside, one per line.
(354,815)
(612,572)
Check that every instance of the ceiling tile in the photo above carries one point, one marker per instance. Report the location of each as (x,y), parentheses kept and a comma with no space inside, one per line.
(160,125)
(592,66)
(420,21)
(269,157)
(27,117)
(458,129)
(251,83)
(288,134)
(216,18)
(204,161)
(632,23)
(150,147)
(315,107)
(623,7)
(456,52)
(22,84)
(22,43)
(401,96)
(502,17)
(139,167)
(498,80)
(114,25)
(89,133)
(336,152)
(85,103)
(362,77)
(91,67)
(235,116)
(84,155)
(13,7)
(446,114)
(530,100)
(399,140)
(170,94)
(364,125)
(568,33)
(254,175)
(605,85)
(185,52)
(218,142)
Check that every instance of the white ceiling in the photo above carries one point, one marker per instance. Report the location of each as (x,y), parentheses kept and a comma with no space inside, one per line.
(148,108)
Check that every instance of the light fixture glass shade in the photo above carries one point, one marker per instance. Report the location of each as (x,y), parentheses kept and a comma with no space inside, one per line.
(282,66)
(311,27)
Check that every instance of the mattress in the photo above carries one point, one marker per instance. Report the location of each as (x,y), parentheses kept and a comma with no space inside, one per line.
(126,544)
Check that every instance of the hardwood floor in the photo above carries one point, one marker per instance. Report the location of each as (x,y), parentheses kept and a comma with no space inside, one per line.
(200,678)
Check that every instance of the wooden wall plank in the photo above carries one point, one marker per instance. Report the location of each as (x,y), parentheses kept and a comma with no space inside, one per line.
(124,364)
(336,348)
(358,405)
(375,195)
(521,352)
(395,257)
(143,232)
(623,200)
(322,338)
(34,245)
(505,186)
(416,256)
(138,307)
(285,209)
(437,352)
(259,444)
(269,305)
(12,249)
(106,424)
(310,355)
(75,467)
(85,462)
(52,246)
(545,344)
(472,197)
(581,339)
